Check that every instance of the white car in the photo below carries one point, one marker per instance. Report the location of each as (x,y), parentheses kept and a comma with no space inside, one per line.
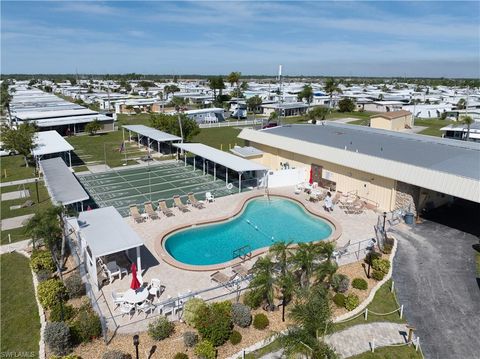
(5,152)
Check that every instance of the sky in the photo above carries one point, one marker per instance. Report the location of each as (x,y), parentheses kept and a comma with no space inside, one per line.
(371,38)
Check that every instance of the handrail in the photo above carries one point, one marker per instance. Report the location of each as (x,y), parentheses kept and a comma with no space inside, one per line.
(242,251)
(368,200)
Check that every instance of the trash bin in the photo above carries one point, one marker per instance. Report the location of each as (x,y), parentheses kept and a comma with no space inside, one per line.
(409,218)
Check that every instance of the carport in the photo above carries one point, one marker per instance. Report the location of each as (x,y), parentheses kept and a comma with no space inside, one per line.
(225,159)
(48,143)
(152,135)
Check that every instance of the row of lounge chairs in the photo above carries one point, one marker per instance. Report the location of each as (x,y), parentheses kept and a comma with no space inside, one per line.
(227,280)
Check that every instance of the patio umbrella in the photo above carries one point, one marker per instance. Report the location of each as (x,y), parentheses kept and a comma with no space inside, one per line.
(311,176)
(135,283)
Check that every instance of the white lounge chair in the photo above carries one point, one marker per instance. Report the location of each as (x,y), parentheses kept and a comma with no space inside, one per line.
(341,251)
(137,217)
(150,211)
(223,279)
(178,203)
(209,197)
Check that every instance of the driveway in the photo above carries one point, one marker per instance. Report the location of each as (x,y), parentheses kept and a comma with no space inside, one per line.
(435,278)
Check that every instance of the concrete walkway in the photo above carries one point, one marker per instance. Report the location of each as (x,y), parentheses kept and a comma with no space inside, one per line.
(19,182)
(14,222)
(17,246)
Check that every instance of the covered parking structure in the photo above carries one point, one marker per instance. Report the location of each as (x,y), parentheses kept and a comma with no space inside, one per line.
(61,183)
(240,165)
(103,232)
(50,143)
(151,136)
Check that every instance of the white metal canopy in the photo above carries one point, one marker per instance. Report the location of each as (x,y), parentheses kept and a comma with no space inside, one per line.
(49,142)
(152,133)
(61,183)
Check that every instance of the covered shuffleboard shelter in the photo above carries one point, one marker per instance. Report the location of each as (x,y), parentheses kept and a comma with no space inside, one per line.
(50,144)
(152,138)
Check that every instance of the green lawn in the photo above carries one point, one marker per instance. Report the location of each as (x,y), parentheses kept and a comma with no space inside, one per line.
(434,126)
(139,119)
(16,235)
(272,347)
(362,122)
(20,324)
(220,137)
(403,352)
(43,195)
(383,302)
(365,115)
(14,169)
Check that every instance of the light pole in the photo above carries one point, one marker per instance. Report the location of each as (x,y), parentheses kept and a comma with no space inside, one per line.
(384,218)
(136,342)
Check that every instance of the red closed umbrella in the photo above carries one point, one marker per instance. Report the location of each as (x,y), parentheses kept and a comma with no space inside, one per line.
(135,282)
(311,176)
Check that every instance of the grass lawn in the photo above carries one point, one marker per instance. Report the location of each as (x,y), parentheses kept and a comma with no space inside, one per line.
(434,126)
(20,324)
(363,122)
(270,348)
(16,235)
(220,137)
(43,195)
(365,115)
(403,352)
(14,168)
(139,119)
(383,302)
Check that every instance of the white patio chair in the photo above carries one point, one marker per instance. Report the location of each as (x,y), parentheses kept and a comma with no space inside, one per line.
(168,307)
(209,197)
(117,299)
(155,287)
(146,307)
(127,308)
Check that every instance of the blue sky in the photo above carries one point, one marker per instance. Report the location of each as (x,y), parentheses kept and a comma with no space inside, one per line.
(312,38)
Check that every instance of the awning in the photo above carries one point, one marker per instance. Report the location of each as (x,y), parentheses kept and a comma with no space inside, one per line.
(225,159)
(106,232)
(49,142)
(61,183)
(152,133)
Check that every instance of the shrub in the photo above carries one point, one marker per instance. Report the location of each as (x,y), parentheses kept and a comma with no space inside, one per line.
(43,275)
(346,105)
(68,356)
(57,337)
(75,286)
(56,312)
(180,356)
(241,315)
(116,354)
(160,328)
(190,339)
(371,256)
(86,326)
(205,350)
(387,248)
(340,283)
(235,337)
(50,292)
(359,283)
(352,301)
(214,322)
(339,300)
(42,260)
(190,310)
(260,321)
(253,299)
(378,275)
(382,265)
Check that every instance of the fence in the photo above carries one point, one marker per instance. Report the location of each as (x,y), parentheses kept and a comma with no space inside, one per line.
(353,252)
(231,123)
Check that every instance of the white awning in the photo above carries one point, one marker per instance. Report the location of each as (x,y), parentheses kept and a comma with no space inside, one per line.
(106,232)
(49,142)
(225,159)
(152,133)
(61,183)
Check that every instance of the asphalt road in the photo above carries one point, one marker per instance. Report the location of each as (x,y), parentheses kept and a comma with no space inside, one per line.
(435,277)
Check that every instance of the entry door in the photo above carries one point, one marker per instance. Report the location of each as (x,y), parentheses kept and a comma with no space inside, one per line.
(317,173)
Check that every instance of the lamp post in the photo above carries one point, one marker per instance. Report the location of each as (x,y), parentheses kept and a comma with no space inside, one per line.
(136,342)
(384,218)
(283,304)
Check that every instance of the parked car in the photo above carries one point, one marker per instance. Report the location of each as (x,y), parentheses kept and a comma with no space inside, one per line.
(270,125)
(5,152)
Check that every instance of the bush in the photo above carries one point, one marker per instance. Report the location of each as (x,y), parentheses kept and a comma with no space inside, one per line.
(352,301)
(116,354)
(57,337)
(68,356)
(378,275)
(260,321)
(190,339)
(252,299)
(160,328)
(191,309)
(205,350)
(340,283)
(42,260)
(50,292)
(359,283)
(180,356)
(214,322)
(235,337)
(56,312)
(371,256)
(346,105)
(382,265)
(387,248)
(241,315)
(339,300)
(86,326)
(43,275)
(75,286)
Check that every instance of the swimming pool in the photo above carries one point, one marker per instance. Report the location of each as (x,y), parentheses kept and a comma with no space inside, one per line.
(261,223)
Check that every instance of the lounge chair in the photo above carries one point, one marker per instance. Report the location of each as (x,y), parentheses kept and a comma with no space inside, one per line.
(337,253)
(241,270)
(165,210)
(150,211)
(178,203)
(194,202)
(209,197)
(135,214)
(223,279)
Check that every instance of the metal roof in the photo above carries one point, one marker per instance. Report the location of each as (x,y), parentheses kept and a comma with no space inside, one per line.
(71,120)
(246,151)
(225,159)
(48,142)
(443,165)
(61,183)
(106,232)
(152,133)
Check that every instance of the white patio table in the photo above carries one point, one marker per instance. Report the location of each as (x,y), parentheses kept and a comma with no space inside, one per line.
(135,296)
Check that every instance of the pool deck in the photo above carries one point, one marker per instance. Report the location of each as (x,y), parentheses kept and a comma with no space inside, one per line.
(155,261)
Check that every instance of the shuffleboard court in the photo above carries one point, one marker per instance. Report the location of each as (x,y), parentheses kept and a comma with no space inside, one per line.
(124,187)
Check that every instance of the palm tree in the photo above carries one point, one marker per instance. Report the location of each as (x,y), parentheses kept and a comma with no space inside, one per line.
(304,260)
(467,120)
(253,103)
(327,268)
(317,113)
(234,78)
(282,253)
(331,87)
(264,281)
(307,94)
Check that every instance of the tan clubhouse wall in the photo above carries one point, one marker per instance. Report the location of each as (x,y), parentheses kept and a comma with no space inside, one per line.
(380,190)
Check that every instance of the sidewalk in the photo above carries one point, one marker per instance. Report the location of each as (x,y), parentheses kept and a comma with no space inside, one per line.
(14,222)
(22,181)
(17,246)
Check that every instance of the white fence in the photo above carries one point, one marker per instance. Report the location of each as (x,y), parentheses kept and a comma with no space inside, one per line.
(231,123)
(288,177)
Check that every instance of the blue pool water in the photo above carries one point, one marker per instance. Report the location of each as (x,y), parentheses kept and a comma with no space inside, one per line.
(261,223)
